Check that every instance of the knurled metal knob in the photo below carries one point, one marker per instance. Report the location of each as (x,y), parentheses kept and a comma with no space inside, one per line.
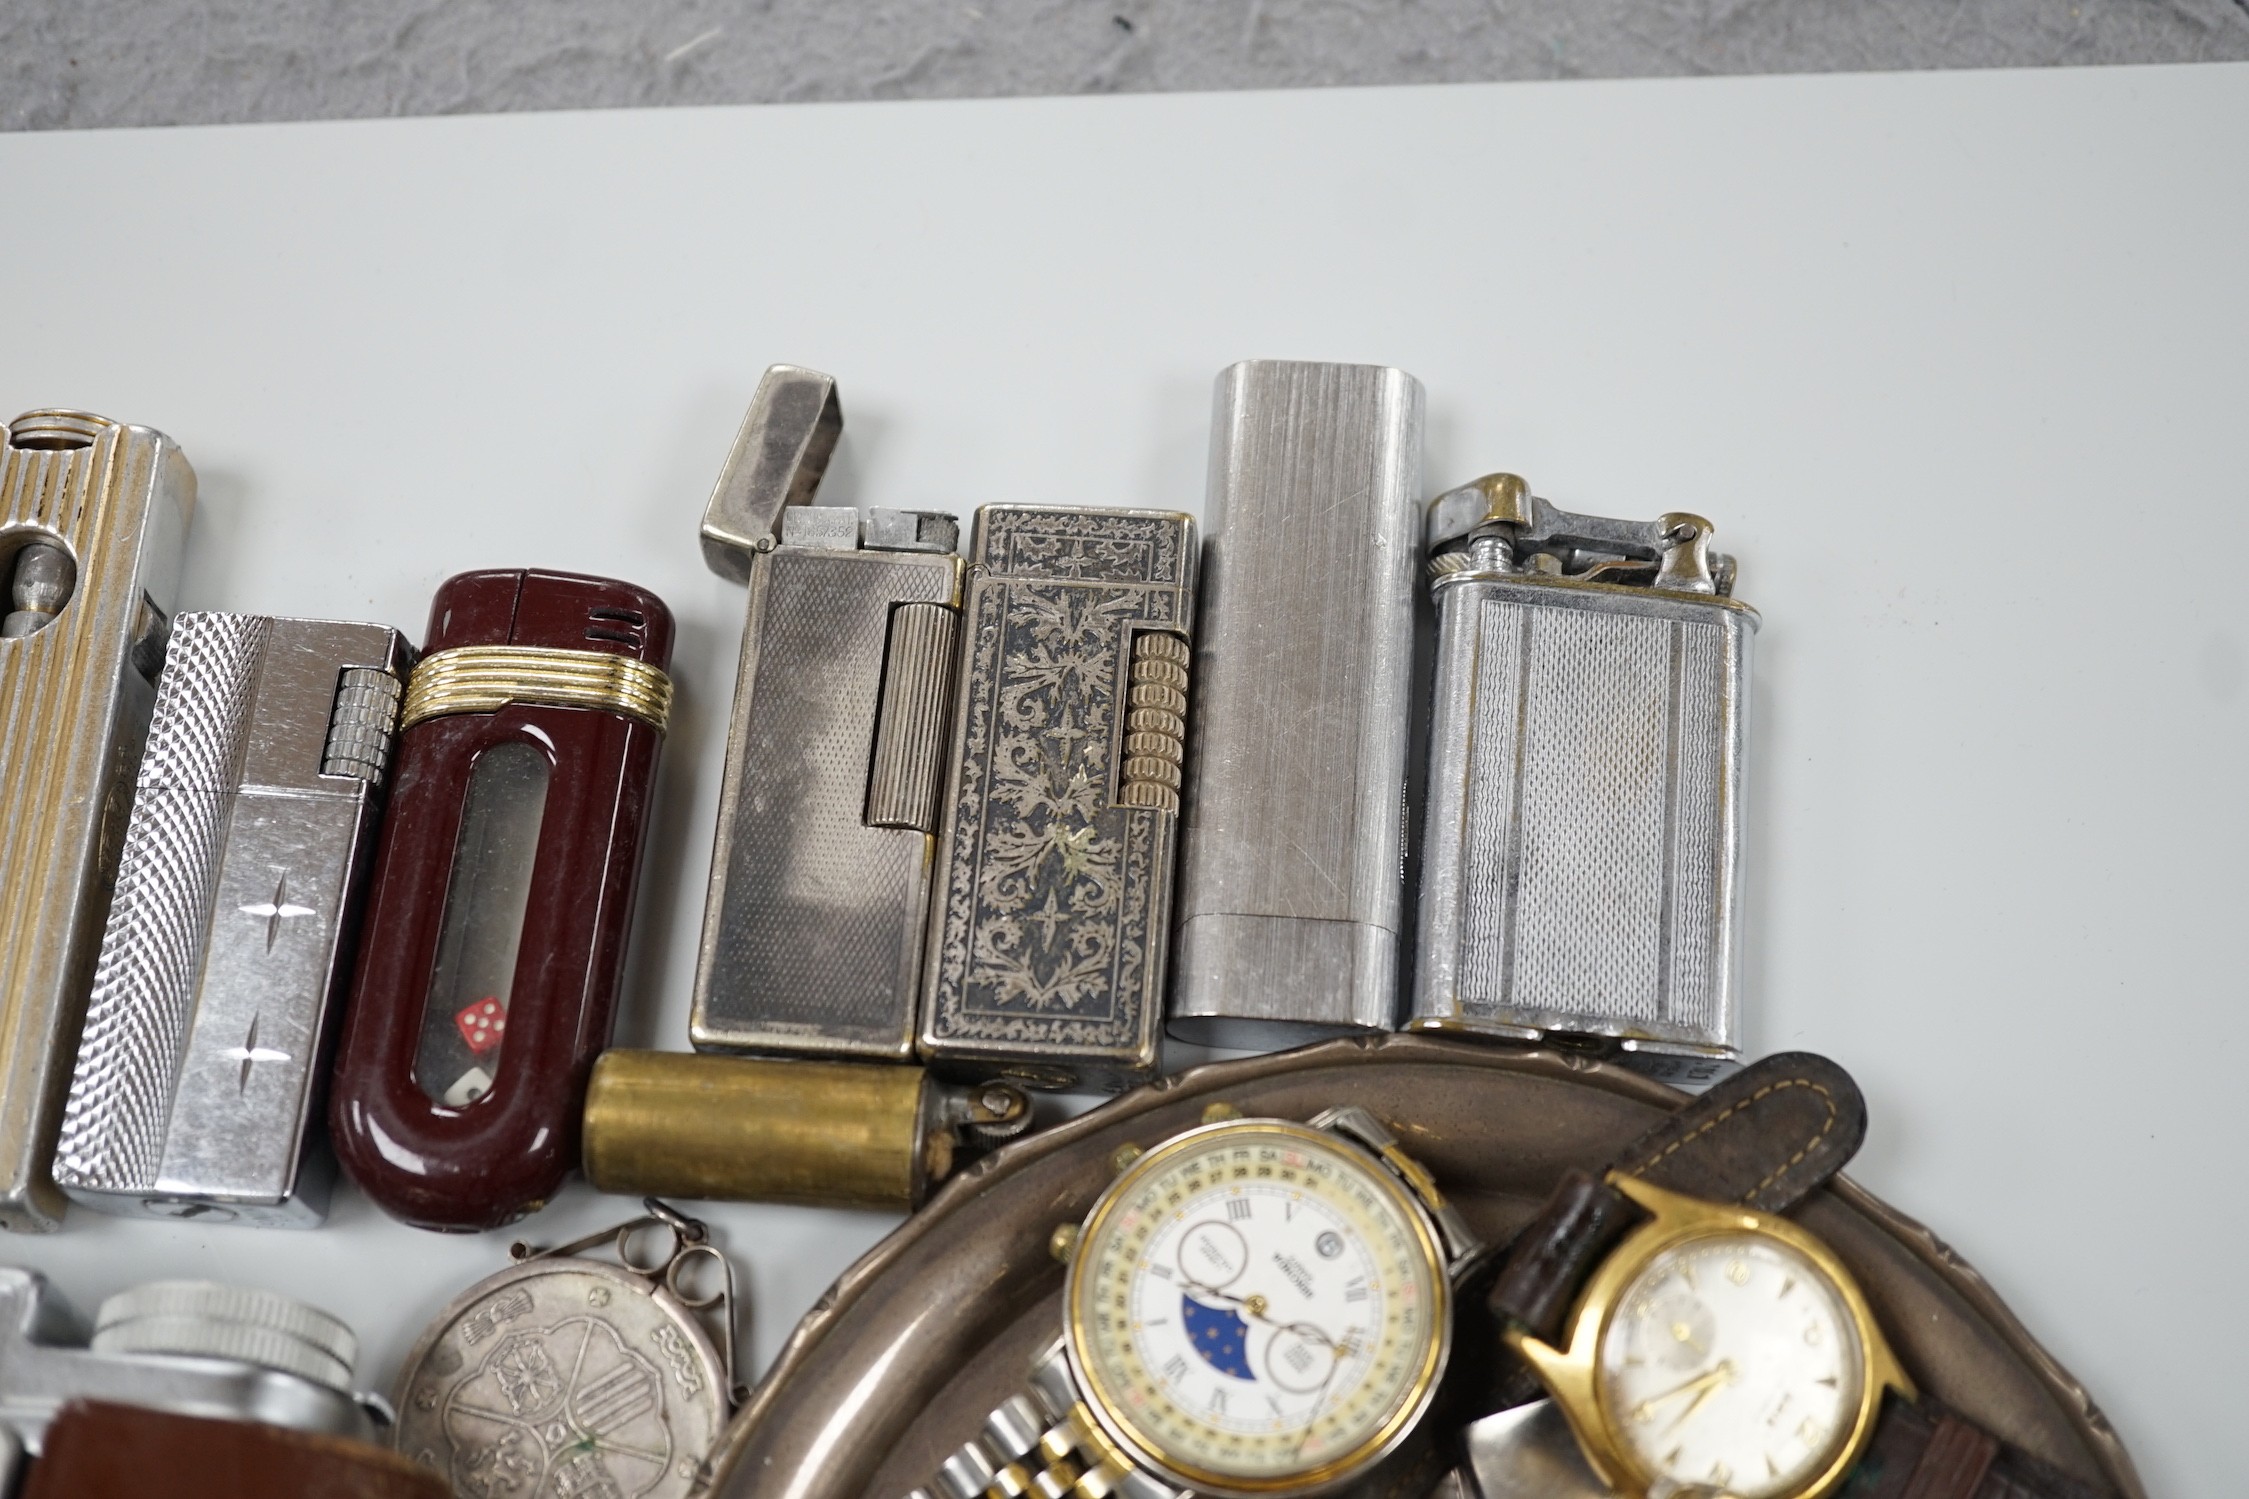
(200,1319)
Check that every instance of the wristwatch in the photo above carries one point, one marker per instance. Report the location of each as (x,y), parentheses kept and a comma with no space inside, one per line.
(1703,1346)
(1253,1307)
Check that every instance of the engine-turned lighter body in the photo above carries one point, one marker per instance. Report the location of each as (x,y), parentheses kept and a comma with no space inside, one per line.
(1583,834)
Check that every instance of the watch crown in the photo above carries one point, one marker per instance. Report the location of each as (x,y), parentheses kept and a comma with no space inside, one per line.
(1063,1242)
(1220,1113)
(1121,1162)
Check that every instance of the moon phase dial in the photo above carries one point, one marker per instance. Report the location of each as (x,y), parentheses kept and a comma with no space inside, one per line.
(1256,1306)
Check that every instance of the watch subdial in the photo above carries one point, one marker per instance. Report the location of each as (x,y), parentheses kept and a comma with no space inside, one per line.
(1212,1255)
(1731,1365)
(1300,1360)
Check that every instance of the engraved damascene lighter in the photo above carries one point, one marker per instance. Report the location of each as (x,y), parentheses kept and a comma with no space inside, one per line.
(230,939)
(1584,804)
(93,518)
(819,890)
(1050,930)
(1291,883)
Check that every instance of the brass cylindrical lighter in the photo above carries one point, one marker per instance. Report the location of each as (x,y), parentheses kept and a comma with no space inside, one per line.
(831,1134)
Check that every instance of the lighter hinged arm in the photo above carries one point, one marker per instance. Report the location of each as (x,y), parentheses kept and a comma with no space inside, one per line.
(780,455)
(1496,524)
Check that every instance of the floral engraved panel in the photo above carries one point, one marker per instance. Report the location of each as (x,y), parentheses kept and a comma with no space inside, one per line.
(1049,886)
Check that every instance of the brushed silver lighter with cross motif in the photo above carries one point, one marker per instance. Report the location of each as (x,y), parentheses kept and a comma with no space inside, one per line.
(1583,833)
(198,1077)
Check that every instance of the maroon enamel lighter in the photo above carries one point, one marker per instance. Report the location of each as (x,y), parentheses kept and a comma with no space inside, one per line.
(494,938)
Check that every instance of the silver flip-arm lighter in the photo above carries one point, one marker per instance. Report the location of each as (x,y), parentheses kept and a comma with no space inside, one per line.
(940,834)
(818,906)
(1585,778)
(1291,886)
(93,519)
(197,1084)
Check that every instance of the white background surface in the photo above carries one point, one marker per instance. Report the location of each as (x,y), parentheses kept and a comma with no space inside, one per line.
(1958,364)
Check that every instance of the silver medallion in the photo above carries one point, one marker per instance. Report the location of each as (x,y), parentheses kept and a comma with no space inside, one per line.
(569,1378)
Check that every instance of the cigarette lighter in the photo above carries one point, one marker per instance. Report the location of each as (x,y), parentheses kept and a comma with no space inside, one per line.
(494,938)
(819,890)
(93,517)
(1051,921)
(1291,886)
(753,1129)
(1585,779)
(229,940)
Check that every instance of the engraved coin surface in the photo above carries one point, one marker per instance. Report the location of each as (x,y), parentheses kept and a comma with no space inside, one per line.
(563,1379)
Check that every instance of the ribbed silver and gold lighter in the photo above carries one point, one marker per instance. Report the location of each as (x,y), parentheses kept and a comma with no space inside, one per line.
(1050,931)
(93,519)
(1291,884)
(819,892)
(1585,779)
(198,1078)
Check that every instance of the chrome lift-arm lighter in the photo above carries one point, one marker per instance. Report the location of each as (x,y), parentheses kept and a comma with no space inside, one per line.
(93,518)
(1050,929)
(1585,778)
(819,893)
(1291,886)
(198,1080)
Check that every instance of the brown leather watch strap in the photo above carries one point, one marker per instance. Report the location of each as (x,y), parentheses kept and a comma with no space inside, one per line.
(1764,1137)
(96,1450)
(1920,1450)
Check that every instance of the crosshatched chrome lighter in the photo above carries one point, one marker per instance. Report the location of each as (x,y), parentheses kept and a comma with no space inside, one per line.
(1043,728)
(93,518)
(229,943)
(1585,777)
(1291,886)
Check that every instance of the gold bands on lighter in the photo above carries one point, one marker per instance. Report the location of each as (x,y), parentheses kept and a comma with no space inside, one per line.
(486,678)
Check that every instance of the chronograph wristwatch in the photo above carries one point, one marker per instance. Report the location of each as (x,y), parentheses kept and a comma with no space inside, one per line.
(1703,1346)
(1254,1307)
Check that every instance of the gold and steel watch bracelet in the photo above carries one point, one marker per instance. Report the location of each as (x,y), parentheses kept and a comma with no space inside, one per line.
(487,678)
(1043,1444)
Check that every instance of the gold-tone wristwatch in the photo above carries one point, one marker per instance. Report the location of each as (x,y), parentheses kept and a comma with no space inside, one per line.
(1718,1350)
(1701,1346)
(1254,1307)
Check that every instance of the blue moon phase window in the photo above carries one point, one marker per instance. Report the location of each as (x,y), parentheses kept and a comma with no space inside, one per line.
(1219,1334)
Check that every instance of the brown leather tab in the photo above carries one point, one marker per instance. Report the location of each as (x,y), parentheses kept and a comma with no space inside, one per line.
(1551,1258)
(1764,1137)
(1954,1463)
(1924,1451)
(95,1450)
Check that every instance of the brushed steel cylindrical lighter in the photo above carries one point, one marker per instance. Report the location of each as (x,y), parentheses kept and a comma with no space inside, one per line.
(1583,834)
(230,940)
(1291,885)
(93,519)
(494,940)
(743,1129)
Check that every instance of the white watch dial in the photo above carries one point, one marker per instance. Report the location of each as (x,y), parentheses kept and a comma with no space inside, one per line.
(1731,1364)
(1257,1304)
